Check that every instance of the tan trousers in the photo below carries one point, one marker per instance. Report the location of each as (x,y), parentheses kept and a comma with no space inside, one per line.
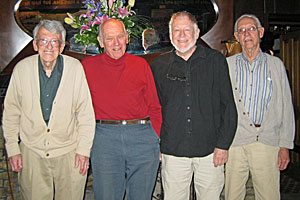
(261,161)
(177,175)
(40,177)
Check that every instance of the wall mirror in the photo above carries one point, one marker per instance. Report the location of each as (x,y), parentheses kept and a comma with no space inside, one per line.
(29,12)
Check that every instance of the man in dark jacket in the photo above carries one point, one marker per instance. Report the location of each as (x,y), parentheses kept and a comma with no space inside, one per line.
(199,113)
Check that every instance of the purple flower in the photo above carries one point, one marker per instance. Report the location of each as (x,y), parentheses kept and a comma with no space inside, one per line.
(99,20)
(96,10)
(86,2)
(123,12)
(87,15)
(83,28)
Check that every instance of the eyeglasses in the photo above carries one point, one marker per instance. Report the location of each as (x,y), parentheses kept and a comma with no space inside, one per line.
(44,42)
(176,78)
(249,29)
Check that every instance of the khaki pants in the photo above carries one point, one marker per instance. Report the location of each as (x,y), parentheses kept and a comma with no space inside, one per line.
(177,174)
(262,162)
(40,177)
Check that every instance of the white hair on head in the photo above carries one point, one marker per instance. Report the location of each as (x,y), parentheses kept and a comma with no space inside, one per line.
(247,16)
(52,26)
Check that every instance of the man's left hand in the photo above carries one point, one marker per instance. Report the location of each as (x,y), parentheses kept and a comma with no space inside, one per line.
(220,157)
(283,158)
(84,163)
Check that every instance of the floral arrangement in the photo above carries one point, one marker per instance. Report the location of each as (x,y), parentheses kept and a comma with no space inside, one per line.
(88,22)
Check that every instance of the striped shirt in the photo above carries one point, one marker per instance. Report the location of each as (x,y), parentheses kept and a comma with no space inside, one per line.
(255,85)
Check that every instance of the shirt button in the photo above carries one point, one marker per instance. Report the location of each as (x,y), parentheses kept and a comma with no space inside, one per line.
(240,100)
(188,107)
(188,120)
(244,113)
(47,154)
(48,130)
(235,88)
(188,95)
(47,95)
(251,124)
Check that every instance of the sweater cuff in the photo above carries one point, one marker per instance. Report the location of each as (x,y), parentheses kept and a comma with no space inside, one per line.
(286,144)
(12,149)
(83,151)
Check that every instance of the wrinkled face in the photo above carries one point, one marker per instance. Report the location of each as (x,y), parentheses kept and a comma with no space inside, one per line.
(183,35)
(114,39)
(48,45)
(249,34)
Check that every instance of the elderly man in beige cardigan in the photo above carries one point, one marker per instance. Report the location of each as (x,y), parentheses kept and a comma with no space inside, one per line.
(48,107)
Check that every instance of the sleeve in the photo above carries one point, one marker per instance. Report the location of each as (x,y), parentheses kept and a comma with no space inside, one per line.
(153,101)
(154,68)
(85,117)
(287,129)
(228,110)
(12,115)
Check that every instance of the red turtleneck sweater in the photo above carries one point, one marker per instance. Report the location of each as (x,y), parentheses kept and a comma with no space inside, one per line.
(122,89)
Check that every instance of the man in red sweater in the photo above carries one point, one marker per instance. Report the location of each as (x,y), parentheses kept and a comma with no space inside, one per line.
(125,153)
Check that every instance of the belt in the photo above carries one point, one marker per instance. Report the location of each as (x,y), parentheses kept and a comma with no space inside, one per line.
(257,125)
(124,122)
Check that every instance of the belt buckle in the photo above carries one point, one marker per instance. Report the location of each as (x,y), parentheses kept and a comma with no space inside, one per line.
(142,121)
(123,122)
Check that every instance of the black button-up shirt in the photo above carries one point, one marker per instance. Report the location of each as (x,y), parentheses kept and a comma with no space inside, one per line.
(198,108)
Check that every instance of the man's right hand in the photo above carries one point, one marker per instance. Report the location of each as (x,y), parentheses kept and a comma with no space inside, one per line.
(16,163)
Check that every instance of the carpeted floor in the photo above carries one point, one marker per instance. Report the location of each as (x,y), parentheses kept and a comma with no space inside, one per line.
(289,186)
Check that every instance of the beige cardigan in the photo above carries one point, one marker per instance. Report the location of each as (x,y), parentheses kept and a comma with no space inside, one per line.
(278,126)
(72,121)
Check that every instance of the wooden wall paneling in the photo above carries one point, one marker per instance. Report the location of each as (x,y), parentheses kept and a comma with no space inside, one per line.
(290,53)
(291,66)
(297,100)
(297,70)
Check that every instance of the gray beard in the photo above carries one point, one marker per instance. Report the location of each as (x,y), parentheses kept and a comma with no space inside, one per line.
(186,49)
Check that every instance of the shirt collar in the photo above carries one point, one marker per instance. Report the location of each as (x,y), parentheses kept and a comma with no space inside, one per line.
(58,65)
(199,52)
(115,62)
(257,58)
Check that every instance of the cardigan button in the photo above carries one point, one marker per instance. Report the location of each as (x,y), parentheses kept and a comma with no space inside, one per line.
(47,154)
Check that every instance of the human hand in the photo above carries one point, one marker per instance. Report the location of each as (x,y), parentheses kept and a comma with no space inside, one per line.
(160,156)
(16,163)
(84,163)
(220,157)
(283,158)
